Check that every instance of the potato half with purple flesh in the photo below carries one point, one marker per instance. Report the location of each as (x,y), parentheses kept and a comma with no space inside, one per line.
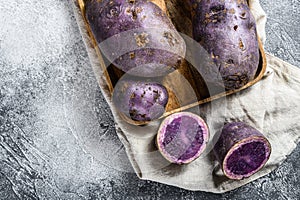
(136,36)
(182,137)
(141,101)
(227,30)
(241,150)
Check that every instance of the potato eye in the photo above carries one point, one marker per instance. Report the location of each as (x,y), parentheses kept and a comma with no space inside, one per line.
(114,11)
(217,9)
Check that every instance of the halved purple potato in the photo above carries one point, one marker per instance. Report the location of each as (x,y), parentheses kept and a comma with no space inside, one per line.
(241,150)
(227,31)
(141,101)
(136,36)
(182,137)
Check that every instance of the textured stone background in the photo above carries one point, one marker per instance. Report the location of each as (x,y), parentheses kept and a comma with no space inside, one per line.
(49,95)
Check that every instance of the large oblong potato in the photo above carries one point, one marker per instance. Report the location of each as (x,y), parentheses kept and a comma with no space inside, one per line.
(227,31)
(136,36)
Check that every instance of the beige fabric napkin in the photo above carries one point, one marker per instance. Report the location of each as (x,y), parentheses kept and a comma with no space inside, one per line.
(271,105)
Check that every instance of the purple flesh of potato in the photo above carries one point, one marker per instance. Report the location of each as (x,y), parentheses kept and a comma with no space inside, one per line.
(141,101)
(136,36)
(227,30)
(182,137)
(241,150)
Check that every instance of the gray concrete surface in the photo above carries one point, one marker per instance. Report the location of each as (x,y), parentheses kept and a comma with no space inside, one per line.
(48,96)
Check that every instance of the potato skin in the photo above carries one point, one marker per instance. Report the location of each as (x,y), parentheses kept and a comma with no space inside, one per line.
(227,30)
(151,45)
(140,100)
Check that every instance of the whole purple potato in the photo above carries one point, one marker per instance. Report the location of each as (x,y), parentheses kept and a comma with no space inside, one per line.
(142,101)
(241,150)
(227,30)
(182,137)
(136,36)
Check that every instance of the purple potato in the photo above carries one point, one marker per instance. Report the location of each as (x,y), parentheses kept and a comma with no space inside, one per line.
(241,150)
(182,137)
(227,31)
(136,36)
(141,101)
